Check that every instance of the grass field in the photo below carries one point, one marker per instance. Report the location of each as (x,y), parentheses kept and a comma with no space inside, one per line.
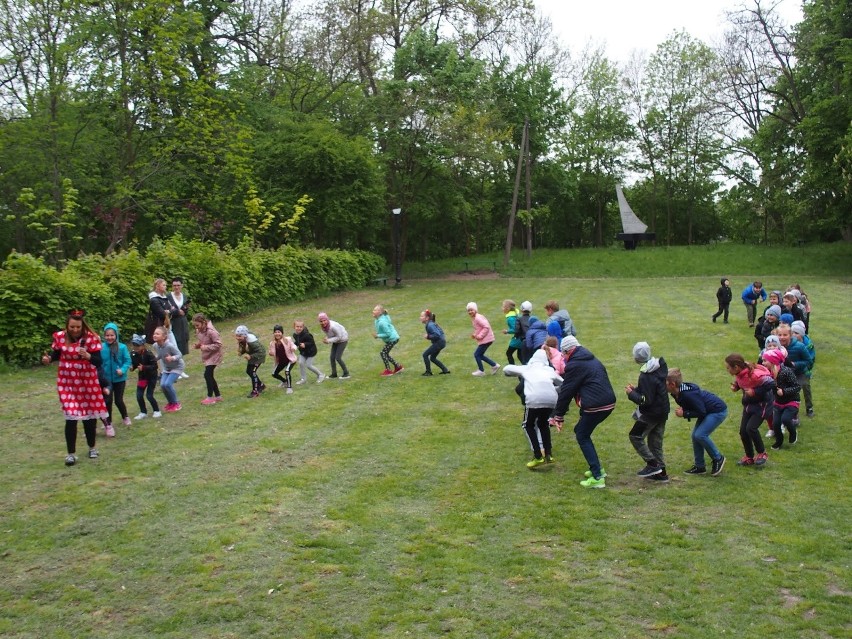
(402,507)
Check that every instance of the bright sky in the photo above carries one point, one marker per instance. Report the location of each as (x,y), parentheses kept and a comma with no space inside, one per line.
(625,25)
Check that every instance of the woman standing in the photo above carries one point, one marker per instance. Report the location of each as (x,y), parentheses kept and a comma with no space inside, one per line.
(159,307)
(78,349)
(179,302)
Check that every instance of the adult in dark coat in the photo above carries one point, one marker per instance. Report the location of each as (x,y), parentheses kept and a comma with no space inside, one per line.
(179,302)
(585,382)
(159,306)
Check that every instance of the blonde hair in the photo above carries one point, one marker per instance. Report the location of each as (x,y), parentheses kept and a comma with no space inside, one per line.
(674,377)
(157,281)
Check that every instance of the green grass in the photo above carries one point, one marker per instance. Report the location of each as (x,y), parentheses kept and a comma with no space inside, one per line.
(402,507)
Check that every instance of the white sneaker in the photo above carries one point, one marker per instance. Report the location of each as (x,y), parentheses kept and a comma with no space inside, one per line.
(345,377)
(141,416)
(495,368)
(184,376)
(157,414)
(301,381)
(320,379)
(478,373)
(770,434)
(289,391)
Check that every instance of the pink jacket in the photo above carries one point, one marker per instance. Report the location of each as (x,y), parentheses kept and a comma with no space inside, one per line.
(556,359)
(289,349)
(482,329)
(211,345)
(747,378)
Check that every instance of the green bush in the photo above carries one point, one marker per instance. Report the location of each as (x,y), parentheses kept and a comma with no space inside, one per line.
(221,283)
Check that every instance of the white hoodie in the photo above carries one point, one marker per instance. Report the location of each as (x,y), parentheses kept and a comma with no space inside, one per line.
(540,381)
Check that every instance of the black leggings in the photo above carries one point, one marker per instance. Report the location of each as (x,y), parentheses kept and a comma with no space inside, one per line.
(116,395)
(287,380)
(251,371)
(750,433)
(89,428)
(510,352)
(147,391)
(212,386)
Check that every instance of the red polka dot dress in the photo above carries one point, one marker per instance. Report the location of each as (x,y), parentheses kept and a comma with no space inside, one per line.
(77,379)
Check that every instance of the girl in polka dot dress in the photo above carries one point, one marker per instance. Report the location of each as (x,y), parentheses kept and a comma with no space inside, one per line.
(78,350)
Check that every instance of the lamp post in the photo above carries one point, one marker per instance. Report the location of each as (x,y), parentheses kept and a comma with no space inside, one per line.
(397,245)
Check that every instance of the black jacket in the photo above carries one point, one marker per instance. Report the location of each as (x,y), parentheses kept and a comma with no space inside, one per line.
(651,395)
(586,381)
(310,348)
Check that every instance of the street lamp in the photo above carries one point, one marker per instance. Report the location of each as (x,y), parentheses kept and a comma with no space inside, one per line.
(397,245)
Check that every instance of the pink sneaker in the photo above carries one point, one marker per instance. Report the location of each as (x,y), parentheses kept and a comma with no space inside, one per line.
(208,400)
(218,398)
(176,407)
(110,431)
(168,408)
(386,373)
(126,421)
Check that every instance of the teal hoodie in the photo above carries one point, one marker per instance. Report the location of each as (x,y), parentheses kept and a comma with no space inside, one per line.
(114,358)
(385,331)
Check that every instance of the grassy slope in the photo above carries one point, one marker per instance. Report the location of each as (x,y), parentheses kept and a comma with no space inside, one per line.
(402,507)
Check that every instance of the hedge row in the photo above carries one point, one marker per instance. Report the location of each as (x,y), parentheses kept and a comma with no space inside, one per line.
(221,282)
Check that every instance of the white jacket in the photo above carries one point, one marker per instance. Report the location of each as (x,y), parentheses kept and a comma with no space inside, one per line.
(540,381)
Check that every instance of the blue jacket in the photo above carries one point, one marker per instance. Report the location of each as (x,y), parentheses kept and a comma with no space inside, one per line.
(536,334)
(435,333)
(697,402)
(800,357)
(585,380)
(111,361)
(750,296)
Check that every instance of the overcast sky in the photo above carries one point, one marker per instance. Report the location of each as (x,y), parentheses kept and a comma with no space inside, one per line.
(625,25)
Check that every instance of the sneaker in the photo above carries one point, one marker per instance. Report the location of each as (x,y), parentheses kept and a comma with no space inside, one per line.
(183,376)
(385,373)
(176,407)
(398,369)
(660,477)
(110,431)
(536,461)
(746,461)
(93,453)
(447,372)
(345,377)
(207,401)
(157,414)
(302,381)
(126,421)
(696,470)
(141,416)
(777,446)
(427,374)
(650,471)
(591,482)
(770,434)
(794,439)
(251,395)
(218,398)
(332,376)
(718,465)
(289,391)
(549,459)
(478,374)
(495,368)
(761,459)
(588,473)
(320,378)
(810,412)
(70,460)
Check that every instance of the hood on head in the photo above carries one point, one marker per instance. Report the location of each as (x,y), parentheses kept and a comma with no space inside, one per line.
(114,327)
(722,281)
(539,358)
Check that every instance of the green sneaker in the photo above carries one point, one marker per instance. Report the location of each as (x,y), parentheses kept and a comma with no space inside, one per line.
(591,482)
(588,473)
(538,461)
(549,459)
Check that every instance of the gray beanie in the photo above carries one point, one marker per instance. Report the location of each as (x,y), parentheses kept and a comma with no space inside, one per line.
(241,330)
(641,352)
(774,310)
(772,339)
(568,343)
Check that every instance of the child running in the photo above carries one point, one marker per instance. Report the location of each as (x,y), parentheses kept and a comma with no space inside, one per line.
(209,342)
(708,410)
(145,364)
(515,343)
(484,337)
(786,408)
(307,351)
(385,331)
(434,334)
(283,349)
(169,354)
(651,413)
(757,387)
(115,364)
(250,349)
(539,396)
(338,337)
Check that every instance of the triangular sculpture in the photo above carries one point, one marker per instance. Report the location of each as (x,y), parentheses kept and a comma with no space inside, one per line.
(633,228)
